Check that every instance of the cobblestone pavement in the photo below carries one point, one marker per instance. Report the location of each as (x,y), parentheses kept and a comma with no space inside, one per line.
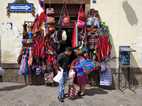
(15,94)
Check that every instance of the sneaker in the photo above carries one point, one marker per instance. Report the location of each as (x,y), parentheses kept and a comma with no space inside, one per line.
(66,95)
(81,93)
(60,99)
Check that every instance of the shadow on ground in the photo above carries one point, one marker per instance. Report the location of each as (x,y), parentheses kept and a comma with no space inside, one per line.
(11,88)
(1,80)
(93,91)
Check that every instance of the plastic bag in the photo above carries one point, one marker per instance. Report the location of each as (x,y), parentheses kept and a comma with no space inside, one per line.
(59,75)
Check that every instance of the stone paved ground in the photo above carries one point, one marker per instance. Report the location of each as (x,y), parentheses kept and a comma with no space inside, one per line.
(15,94)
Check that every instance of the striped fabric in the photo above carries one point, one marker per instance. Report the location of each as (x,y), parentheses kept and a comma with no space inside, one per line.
(72,92)
(105,75)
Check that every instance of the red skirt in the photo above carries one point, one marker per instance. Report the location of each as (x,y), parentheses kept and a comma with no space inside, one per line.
(82,80)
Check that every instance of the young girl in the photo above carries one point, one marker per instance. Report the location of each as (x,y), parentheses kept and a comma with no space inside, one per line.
(72,92)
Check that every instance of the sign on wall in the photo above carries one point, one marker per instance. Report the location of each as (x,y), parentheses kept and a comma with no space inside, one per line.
(23,8)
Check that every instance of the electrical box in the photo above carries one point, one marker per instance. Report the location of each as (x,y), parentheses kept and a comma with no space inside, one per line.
(124,55)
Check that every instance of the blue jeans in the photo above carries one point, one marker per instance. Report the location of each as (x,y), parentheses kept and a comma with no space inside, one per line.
(62,85)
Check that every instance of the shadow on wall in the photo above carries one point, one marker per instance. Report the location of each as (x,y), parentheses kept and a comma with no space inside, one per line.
(130,13)
(113,62)
(135,71)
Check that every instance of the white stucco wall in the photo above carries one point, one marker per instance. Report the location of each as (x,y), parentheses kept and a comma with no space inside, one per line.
(11,39)
(124,31)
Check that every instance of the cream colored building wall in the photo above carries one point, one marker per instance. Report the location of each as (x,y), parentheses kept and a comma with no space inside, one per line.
(124,31)
(124,18)
(11,39)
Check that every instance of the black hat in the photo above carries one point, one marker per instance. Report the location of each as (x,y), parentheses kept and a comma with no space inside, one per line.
(69,49)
